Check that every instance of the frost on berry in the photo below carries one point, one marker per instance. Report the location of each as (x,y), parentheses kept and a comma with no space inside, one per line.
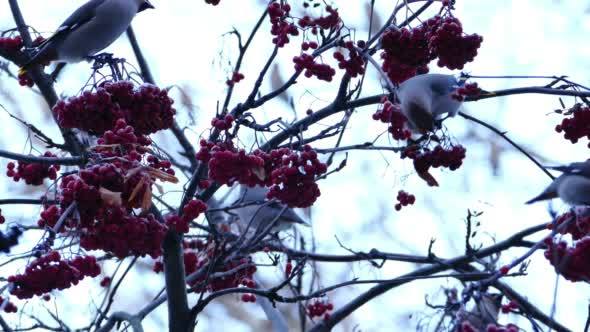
(146,108)
(50,272)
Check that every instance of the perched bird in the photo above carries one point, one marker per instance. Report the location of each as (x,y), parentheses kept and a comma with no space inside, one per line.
(573,186)
(484,313)
(90,29)
(426,98)
(257,217)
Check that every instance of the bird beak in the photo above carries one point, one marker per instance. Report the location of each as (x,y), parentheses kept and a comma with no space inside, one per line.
(145,5)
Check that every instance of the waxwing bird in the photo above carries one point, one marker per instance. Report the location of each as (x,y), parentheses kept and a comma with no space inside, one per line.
(424,99)
(572,186)
(90,29)
(258,216)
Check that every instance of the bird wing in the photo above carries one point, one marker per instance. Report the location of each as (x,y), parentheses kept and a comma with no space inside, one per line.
(288,214)
(580,168)
(78,18)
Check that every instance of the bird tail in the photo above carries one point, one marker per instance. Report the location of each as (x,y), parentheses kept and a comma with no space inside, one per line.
(543,196)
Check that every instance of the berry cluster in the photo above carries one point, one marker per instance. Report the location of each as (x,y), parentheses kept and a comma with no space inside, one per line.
(248,297)
(578,228)
(407,52)
(391,113)
(32,173)
(213,2)
(227,167)
(190,212)
(147,108)
(468,90)
(50,272)
(224,123)
(320,308)
(453,48)
(467,327)
(9,238)
(8,306)
(355,65)
(577,126)
(331,21)
(509,307)
(294,178)
(122,141)
(281,29)
(439,157)
(122,234)
(235,78)
(570,261)
(11,44)
(404,199)
(309,45)
(320,70)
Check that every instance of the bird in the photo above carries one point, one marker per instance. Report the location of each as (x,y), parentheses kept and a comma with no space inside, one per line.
(484,312)
(256,214)
(424,99)
(572,186)
(88,30)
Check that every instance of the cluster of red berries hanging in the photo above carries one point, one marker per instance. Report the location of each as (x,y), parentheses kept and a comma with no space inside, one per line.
(146,108)
(235,78)
(468,90)
(320,308)
(290,174)
(578,226)
(213,2)
(425,158)
(281,27)
(355,64)
(511,306)
(50,272)
(577,126)
(190,212)
(306,63)
(224,123)
(32,173)
(407,52)
(391,114)
(330,22)
(404,199)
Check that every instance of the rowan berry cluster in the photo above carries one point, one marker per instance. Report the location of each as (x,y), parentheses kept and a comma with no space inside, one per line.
(468,90)
(213,2)
(391,113)
(404,199)
(224,123)
(331,21)
(190,212)
(355,64)
(509,307)
(248,297)
(306,63)
(407,52)
(11,45)
(147,108)
(320,308)
(235,78)
(578,226)
(577,126)
(281,28)
(569,261)
(439,157)
(50,272)
(32,173)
